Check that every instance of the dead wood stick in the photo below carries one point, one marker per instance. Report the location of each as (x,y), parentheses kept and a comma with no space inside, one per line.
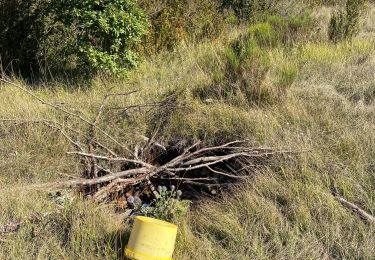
(188,179)
(105,101)
(227,145)
(91,131)
(74,143)
(117,185)
(159,145)
(102,106)
(103,193)
(206,185)
(88,182)
(156,104)
(211,159)
(226,174)
(184,156)
(199,162)
(360,212)
(116,159)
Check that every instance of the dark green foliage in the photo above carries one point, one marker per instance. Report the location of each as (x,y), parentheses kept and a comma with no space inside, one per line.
(249,10)
(21,28)
(104,32)
(173,21)
(246,69)
(344,24)
(337,27)
(81,35)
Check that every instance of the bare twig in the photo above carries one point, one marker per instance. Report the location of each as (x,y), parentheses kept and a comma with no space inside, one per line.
(59,126)
(116,159)
(62,110)
(356,209)
(117,185)
(159,145)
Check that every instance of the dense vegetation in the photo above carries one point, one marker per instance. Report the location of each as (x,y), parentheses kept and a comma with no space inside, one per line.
(291,76)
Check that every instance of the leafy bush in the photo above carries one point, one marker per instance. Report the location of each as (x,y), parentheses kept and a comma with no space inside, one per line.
(86,36)
(246,69)
(344,24)
(105,32)
(173,21)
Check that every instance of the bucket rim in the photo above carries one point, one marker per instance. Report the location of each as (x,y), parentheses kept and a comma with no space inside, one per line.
(155,221)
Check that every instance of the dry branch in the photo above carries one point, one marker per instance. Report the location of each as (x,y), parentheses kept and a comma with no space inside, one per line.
(357,210)
(115,159)
(349,205)
(62,110)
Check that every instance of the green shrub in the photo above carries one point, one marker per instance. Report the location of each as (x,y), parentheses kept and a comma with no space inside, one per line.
(277,30)
(242,81)
(245,79)
(344,24)
(286,76)
(173,21)
(55,35)
(246,70)
(105,32)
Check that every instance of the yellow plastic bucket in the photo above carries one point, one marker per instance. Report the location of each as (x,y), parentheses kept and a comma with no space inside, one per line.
(151,239)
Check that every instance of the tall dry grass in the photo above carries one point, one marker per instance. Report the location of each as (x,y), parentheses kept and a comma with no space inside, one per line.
(286,211)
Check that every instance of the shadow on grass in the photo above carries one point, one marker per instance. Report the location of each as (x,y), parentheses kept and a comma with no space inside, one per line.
(118,241)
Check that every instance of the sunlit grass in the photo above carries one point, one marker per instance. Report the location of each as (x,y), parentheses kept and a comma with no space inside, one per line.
(284,211)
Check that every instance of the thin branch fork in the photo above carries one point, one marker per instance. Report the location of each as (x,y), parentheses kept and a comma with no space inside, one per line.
(115,159)
(60,127)
(62,110)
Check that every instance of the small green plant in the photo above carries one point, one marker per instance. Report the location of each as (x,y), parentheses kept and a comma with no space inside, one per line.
(277,30)
(167,206)
(243,78)
(344,24)
(247,63)
(286,76)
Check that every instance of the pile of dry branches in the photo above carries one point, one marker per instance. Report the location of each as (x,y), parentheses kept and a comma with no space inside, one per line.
(209,168)
(106,174)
